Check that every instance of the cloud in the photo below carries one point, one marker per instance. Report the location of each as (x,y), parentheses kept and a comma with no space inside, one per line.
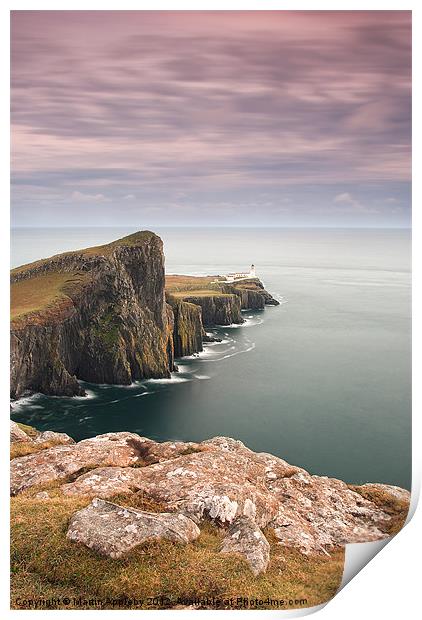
(156,102)
(81,197)
(347,198)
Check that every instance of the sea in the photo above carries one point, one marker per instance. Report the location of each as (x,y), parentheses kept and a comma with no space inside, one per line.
(323,380)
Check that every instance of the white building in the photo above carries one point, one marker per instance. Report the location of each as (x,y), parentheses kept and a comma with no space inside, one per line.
(241,275)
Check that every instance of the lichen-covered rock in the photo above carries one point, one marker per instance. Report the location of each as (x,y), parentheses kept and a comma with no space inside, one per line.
(58,438)
(393,493)
(245,537)
(318,512)
(60,462)
(223,480)
(113,530)
(17,434)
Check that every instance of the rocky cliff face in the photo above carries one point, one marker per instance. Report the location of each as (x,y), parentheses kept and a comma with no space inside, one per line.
(100,315)
(218,309)
(110,323)
(188,331)
(220,479)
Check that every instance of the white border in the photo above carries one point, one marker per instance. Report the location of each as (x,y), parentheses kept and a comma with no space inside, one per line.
(390,584)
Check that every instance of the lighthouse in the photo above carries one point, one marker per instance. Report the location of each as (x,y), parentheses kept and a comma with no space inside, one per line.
(252,272)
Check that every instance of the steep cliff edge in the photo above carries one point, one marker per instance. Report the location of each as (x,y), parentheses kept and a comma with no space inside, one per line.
(108,314)
(221,302)
(188,332)
(98,315)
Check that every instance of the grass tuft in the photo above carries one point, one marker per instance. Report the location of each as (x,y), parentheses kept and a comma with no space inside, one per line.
(45,564)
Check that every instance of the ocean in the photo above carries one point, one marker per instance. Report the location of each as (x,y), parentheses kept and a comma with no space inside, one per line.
(322,381)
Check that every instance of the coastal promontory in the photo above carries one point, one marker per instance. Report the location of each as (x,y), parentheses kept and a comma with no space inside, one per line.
(108,314)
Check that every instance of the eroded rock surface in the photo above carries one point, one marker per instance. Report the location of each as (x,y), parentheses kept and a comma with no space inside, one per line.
(245,537)
(17,434)
(60,462)
(222,480)
(113,530)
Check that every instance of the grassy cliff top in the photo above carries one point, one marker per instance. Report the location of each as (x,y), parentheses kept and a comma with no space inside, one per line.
(134,240)
(47,295)
(49,291)
(182,287)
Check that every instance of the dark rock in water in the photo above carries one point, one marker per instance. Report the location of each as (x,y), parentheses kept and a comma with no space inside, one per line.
(207,338)
(113,530)
(245,537)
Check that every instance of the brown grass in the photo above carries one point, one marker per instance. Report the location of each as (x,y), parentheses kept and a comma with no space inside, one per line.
(49,291)
(45,564)
(196,293)
(23,448)
(176,283)
(29,430)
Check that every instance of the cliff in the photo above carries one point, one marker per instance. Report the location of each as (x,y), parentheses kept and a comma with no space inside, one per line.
(221,302)
(98,315)
(188,334)
(218,506)
(217,308)
(107,314)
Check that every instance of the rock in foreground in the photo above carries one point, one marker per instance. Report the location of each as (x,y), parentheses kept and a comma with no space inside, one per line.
(60,462)
(245,537)
(222,480)
(113,530)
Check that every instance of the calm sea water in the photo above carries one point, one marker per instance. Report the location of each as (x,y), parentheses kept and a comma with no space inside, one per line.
(323,380)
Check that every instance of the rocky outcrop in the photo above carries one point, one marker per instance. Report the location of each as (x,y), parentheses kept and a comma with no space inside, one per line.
(18,435)
(252,293)
(218,309)
(60,462)
(100,315)
(113,530)
(188,331)
(245,537)
(108,324)
(222,480)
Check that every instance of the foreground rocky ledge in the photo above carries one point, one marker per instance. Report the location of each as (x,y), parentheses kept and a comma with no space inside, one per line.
(219,479)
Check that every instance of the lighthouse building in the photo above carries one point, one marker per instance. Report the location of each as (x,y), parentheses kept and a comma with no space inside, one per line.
(241,275)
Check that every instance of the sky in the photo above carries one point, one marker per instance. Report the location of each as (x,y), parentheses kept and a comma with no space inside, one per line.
(225,118)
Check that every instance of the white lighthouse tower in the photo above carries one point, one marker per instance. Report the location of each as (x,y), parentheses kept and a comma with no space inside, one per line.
(252,272)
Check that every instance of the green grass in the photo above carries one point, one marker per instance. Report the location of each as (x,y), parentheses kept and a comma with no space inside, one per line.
(45,564)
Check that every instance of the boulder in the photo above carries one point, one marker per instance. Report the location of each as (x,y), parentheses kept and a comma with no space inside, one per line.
(222,480)
(245,537)
(60,462)
(58,438)
(113,530)
(17,434)
(316,513)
